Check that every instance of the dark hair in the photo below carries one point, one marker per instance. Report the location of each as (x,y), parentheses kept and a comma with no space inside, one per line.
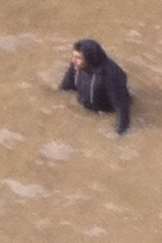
(92,51)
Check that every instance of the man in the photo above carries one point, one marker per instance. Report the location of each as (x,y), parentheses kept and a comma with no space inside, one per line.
(100,83)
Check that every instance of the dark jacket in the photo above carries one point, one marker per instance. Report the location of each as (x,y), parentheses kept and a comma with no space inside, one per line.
(103,88)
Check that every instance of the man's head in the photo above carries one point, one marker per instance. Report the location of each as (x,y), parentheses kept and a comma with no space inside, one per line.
(87,54)
(78,60)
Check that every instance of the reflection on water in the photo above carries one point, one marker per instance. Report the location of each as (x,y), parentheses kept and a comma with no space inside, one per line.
(95,231)
(109,189)
(27,191)
(8,139)
(10,43)
(56,151)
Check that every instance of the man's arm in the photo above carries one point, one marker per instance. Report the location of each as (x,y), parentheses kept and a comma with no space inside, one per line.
(123,113)
(68,80)
(121,101)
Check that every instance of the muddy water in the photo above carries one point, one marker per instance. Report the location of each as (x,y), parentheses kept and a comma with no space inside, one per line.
(66,176)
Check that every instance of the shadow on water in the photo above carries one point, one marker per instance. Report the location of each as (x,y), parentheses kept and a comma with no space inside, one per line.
(146,107)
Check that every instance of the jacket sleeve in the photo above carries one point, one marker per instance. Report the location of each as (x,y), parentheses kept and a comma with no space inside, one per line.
(68,80)
(123,112)
(121,102)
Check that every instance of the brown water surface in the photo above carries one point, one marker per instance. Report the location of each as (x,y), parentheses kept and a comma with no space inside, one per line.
(66,176)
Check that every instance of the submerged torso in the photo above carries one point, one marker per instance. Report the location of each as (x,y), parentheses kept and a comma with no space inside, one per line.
(92,89)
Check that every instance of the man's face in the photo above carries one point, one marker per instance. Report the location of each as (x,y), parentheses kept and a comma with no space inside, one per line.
(78,60)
